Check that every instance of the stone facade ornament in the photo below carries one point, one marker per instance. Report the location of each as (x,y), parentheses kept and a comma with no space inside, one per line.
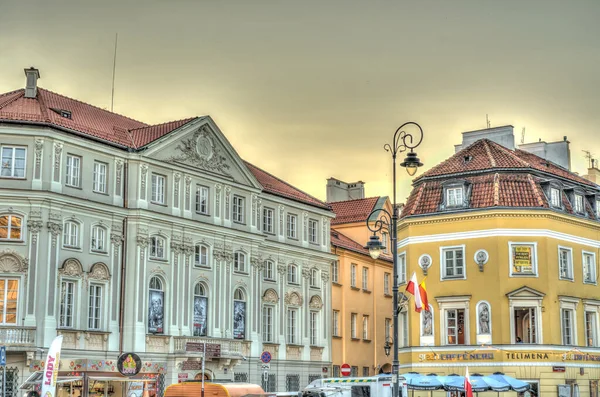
(12,262)
(71,268)
(282,270)
(201,151)
(39,147)
(218,188)
(143,173)
(55,230)
(188,184)
(324,276)
(116,239)
(158,270)
(316,303)
(425,263)
(99,271)
(142,241)
(119,172)
(481,258)
(293,299)
(58,147)
(305,272)
(281,219)
(270,296)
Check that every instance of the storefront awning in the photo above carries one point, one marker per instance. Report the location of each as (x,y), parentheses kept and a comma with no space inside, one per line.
(36,379)
(109,378)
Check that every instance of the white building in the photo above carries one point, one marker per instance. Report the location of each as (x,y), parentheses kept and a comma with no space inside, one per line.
(128,237)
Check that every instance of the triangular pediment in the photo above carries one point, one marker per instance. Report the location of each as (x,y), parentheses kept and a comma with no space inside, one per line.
(201,146)
(525,292)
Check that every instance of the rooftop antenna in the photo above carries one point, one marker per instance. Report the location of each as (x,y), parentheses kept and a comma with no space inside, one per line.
(112,98)
(590,158)
(487,121)
(523,136)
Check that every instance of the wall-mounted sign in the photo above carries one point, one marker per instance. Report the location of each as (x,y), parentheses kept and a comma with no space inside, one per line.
(182,377)
(559,369)
(191,365)
(522,258)
(129,364)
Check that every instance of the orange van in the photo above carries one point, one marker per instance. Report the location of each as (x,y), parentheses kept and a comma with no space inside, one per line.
(194,389)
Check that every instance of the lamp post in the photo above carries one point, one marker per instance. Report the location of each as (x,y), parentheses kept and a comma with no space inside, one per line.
(401,142)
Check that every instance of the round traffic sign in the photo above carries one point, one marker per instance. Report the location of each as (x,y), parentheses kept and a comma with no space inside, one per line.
(346,370)
(265,357)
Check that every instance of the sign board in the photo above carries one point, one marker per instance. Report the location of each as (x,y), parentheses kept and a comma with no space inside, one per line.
(522,258)
(325,370)
(3,355)
(129,364)
(265,366)
(191,365)
(346,370)
(559,369)
(265,357)
(182,377)
(213,350)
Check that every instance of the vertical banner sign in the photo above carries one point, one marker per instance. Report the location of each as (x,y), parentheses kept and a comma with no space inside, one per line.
(239,320)
(51,368)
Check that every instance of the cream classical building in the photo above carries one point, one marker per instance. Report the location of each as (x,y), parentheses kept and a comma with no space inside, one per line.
(151,239)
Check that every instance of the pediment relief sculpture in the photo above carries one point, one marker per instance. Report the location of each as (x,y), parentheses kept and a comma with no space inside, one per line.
(12,262)
(201,151)
(99,271)
(270,296)
(293,299)
(71,268)
(315,302)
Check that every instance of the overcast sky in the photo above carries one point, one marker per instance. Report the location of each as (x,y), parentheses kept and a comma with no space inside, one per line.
(313,89)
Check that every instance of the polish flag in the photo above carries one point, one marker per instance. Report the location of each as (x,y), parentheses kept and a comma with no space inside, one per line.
(413,288)
(468,388)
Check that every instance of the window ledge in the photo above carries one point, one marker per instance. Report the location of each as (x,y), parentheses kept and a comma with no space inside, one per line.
(336,284)
(158,259)
(367,340)
(74,187)
(315,287)
(240,272)
(366,291)
(387,295)
(269,280)
(355,339)
(9,241)
(159,204)
(453,278)
(590,283)
(101,193)
(566,279)
(71,248)
(355,288)
(201,266)
(99,252)
(336,336)
(18,178)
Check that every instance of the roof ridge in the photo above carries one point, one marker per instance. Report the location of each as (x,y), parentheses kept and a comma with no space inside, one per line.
(166,122)
(536,191)
(42,105)
(365,198)
(418,199)
(496,189)
(489,153)
(11,100)
(510,153)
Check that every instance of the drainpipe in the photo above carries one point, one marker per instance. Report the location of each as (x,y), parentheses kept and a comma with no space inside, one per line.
(123,257)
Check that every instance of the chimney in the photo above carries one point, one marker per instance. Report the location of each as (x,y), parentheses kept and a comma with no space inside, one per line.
(557,152)
(32,75)
(341,191)
(593,174)
(501,135)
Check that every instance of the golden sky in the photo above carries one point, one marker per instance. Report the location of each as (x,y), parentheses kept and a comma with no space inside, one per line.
(313,89)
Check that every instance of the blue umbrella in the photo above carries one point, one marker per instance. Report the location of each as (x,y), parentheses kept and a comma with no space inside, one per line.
(513,384)
(427,382)
(410,375)
(479,383)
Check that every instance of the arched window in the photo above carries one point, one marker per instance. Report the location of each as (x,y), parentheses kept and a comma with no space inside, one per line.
(200,310)
(157,247)
(201,256)
(98,243)
(239,314)
(239,262)
(292,274)
(156,305)
(10,227)
(71,234)
(314,278)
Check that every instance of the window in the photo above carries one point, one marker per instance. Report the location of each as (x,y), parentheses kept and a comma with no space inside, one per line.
(593,388)
(202,200)
(98,239)
(67,302)
(314,328)
(292,383)
(312,231)
(201,255)
(335,271)
(578,204)
(403,321)
(591,329)
(353,325)
(200,310)
(454,197)
(99,177)
(239,262)
(9,294)
(336,371)
(357,391)
(156,305)
(10,227)
(386,283)
(292,326)
(565,263)
(157,247)
(365,278)
(158,189)
(238,209)
(453,265)
(589,267)
(71,235)
(402,268)
(239,314)
(95,307)
(384,242)
(268,323)
(555,197)
(525,325)
(292,226)
(388,329)
(366,373)
(523,259)
(268,218)
(292,274)
(269,271)
(336,323)
(567,327)
(365,330)
(353,275)
(73,171)
(13,162)
(314,278)
(455,326)
(597,208)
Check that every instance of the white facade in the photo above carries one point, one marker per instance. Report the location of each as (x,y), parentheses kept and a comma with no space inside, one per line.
(186,223)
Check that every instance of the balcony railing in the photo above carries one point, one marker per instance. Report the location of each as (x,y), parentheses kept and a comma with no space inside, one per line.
(229,348)
(17,336)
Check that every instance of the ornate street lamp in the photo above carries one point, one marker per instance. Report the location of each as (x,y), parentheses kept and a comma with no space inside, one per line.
(402,142)
(387,346)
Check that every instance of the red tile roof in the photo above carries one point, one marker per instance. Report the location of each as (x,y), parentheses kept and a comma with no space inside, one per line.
(342,241)
(351,211)
(145,135)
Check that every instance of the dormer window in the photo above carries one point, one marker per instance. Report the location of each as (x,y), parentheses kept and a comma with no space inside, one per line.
(65,113)
(555,197)
(454,197)
(578,203)
(597,208)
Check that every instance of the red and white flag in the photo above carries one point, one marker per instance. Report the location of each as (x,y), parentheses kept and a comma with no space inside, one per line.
(413,288)
(468,387)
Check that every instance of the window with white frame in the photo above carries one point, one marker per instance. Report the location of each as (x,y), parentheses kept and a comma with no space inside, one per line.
(455,326)
(313,236)
(578,204)
(386,283)
(353,319)
(387,329)
(589,267)
(67,304)
(402,268)
(591,329)
(454,196)
(268,220)
(11,227)
(73,170)
(523,259)
(99,180)
(365,279)
(13,162)
(71,234)
(403,334)
(269,270)
(292,326)
(292,226)
(353,275)
(565,263)
(201,255)
(314,328)
(239,262)
(292,274)
(384,242)
(98,239)
(365,330)
(555,197)
(314,278)
(238,209)
(202,199)
(200,320)
(157,247)
(453,262)
(568,337)
(158,189)
(454,319)
(335,272)
(525,324)
(268,312)
(156,306)
(336,323)
(9,295)
(95,307)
